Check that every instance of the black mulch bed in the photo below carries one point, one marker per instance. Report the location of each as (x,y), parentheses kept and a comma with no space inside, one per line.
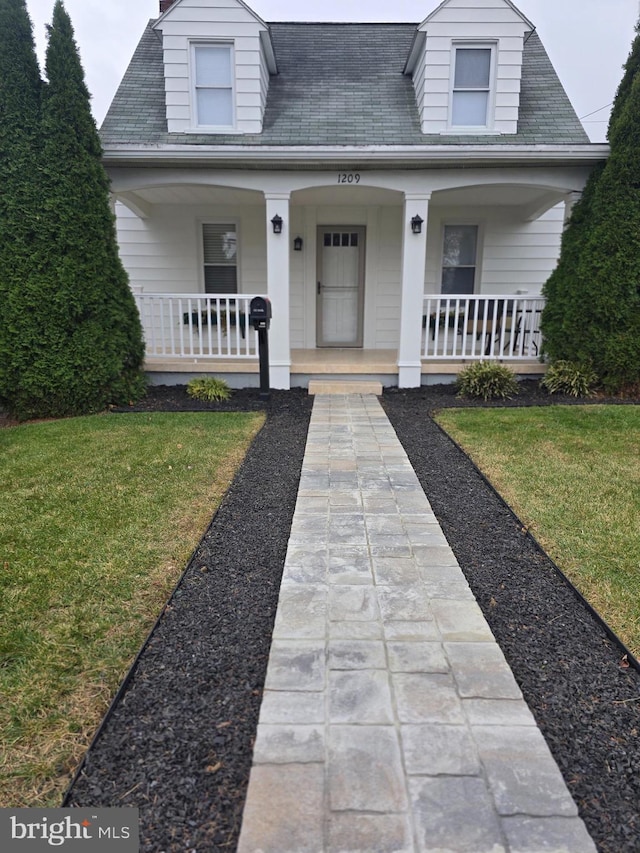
(586,703)
(178,742)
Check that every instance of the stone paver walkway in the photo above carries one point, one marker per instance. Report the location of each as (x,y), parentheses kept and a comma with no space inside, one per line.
(390,720)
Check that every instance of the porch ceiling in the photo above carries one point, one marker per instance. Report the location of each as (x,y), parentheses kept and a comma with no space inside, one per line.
(347,195)
(527,198)
(497,195)
(195,194)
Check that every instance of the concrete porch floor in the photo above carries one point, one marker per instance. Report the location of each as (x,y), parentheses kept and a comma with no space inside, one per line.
(390,722)
(333,360)
(381,362)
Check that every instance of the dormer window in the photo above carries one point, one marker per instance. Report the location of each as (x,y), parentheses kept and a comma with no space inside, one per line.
(471,95)
(213,88)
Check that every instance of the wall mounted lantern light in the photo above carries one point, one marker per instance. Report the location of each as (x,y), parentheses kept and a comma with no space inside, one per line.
(297,244)
(277,224)
(416,224)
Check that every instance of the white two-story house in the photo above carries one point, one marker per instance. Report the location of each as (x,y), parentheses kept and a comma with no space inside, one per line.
(398,191)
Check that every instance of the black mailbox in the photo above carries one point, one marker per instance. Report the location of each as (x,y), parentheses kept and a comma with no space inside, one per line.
(260,312)
(260,319)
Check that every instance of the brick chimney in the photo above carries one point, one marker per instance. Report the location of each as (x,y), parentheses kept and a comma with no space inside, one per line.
(166,4)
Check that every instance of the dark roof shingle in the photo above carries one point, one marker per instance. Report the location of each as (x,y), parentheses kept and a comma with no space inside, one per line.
(338,84)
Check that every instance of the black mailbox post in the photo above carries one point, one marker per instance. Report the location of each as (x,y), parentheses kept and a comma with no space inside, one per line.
(260,319)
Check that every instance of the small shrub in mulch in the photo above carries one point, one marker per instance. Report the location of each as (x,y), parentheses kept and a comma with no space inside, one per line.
(487,380)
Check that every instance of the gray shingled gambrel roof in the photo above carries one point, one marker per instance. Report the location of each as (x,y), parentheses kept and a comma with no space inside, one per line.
(338,84)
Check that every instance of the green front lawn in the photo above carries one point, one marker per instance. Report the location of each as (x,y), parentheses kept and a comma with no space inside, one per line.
(572,475)
(98,517)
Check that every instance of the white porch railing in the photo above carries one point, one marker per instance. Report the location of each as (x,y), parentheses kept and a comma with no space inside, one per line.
(481,327)
(197,325)
(454,327)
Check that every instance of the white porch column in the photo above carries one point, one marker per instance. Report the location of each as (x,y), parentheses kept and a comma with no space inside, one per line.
(278,291)
(414,256)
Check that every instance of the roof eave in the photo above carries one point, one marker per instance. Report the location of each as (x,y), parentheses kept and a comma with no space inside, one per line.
(381,156)
(417,47)
(269,52)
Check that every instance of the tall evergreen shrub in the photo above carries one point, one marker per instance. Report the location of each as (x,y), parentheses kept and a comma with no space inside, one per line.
(20,174)
(80,345)
(631,66)
(564,288)
(593,298)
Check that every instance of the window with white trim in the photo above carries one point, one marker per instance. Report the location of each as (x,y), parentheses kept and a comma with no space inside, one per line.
(472,82)
(213,90)
(220,250)
(459,259)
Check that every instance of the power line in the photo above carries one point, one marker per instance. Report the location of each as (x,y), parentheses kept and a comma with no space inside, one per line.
(597,111)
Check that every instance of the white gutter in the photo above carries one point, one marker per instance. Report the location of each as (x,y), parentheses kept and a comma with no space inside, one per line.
(460,155)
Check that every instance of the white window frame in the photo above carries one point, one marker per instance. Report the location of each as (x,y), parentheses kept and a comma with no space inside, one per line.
(491,89)
(195,118)
(463,223)
(227,220)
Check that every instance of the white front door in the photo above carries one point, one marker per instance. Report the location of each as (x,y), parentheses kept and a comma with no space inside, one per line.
(340,288)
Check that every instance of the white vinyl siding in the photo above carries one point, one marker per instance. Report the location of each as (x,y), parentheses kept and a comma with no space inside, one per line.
(419,81)
(214,21)
(520,257)
(299,294)
(213,85)
(165,253)
(492,22)
(385,290)
(262,76)
(512,256)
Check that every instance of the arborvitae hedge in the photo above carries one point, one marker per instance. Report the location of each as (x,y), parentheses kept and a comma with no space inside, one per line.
(76,335)
(20,174)
(631,66)
(564,288)
(593,297)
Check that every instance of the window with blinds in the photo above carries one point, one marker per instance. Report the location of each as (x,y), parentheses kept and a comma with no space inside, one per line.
(220,245)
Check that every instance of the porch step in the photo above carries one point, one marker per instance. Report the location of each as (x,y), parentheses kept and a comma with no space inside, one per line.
(330,386)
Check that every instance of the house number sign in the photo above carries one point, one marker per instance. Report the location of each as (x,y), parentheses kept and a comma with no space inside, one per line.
(348,177)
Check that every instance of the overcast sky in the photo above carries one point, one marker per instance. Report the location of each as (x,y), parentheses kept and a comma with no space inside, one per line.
(588,40)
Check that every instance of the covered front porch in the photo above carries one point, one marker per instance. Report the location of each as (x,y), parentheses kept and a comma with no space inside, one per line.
(400,275)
